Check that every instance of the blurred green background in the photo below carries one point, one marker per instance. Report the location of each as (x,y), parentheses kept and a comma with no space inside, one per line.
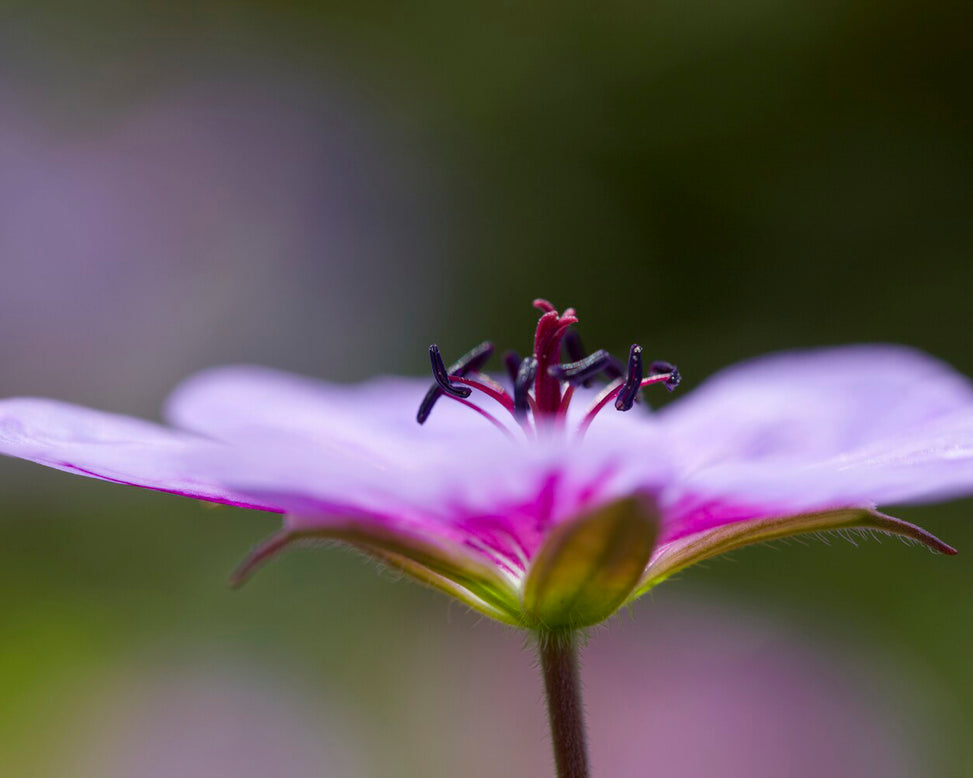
(329,188)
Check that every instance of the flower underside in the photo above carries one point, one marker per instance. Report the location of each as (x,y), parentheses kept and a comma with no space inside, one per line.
(588,568)
(602,558)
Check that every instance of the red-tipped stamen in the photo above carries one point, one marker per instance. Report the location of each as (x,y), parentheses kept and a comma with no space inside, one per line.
(608,394)
(486,415)
(483,378)
(492,389)
(496,391)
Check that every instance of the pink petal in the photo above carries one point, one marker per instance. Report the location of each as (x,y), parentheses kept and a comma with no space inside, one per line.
(233,402)
(811,405)
(488,494)
(333,453)
(113,448)
(799,432)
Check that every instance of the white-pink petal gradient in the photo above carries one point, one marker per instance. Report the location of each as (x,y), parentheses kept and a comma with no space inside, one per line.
(112,447)
(329,452)
(785,434)
(813,430)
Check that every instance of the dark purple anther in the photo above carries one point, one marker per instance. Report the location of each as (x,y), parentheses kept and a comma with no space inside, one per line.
(582,371)
(575,348)
(470,362)
(573,345)
(511,361)
(633,382)
(525,376)
(662,368)
(442,376)
(425,407)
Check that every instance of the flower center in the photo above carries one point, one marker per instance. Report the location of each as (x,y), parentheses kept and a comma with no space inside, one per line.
(541,385)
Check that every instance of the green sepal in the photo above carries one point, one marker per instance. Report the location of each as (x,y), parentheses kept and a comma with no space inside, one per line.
(680,554)
(587,568)
(450,570)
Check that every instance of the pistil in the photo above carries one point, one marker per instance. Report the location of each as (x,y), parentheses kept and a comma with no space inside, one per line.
(551,328)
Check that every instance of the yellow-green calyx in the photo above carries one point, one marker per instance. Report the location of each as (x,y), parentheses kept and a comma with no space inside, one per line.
(588,567)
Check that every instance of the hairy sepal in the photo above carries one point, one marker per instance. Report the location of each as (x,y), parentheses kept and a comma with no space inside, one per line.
(477,585)
(680,554)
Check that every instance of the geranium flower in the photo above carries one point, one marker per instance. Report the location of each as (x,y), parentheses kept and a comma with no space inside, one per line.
(538,499)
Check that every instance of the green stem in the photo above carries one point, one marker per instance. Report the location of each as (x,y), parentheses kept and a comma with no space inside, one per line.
(559,663)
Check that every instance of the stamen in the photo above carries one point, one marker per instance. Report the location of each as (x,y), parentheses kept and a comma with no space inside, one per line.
(442,377)
(574,346)
(525,377)
(471,361)
(562,412)
(543,386)
(533,406)
(483,378)
(582,371)
(612,390)
(633,382)
(511,361)
(600,402)
(486,415)
(425,407)
(659,367)
(488,387)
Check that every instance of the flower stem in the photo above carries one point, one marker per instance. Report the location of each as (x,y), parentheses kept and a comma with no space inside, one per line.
(559,663)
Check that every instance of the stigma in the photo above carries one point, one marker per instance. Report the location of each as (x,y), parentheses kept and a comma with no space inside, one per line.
(541,386)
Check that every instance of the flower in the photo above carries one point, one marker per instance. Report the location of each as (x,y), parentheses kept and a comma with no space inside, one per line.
(531,499)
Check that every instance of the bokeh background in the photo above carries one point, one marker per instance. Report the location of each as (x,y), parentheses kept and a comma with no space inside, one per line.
(328,188)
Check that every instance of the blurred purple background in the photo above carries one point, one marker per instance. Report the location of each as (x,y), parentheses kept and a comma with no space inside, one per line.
(242,218)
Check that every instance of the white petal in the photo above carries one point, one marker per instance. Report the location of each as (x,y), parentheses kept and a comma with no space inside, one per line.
(114,448)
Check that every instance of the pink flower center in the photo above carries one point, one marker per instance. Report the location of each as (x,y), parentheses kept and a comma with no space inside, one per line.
(542,385)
